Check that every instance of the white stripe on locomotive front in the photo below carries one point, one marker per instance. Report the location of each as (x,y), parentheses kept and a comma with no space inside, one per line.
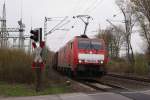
(90,57)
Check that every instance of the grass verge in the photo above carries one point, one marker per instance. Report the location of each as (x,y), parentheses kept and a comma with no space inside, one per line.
(7,90)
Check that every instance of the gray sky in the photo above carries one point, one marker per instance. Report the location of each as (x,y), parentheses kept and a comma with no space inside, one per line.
(34,11)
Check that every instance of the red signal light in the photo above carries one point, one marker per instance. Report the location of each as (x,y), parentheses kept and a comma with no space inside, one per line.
(36,34)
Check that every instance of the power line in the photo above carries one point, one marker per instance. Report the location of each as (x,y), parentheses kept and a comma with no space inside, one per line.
(86,5)
(81,5)
(95,6)
(55,27)
(91,5)
(58,28)
(61,23)
(77,6)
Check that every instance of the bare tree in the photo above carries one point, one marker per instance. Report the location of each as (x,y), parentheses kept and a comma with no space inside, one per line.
(106,35)
(129,19)
(113,39)
(142,8)
(118,39)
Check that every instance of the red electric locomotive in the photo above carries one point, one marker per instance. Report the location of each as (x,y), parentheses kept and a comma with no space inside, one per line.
(83,57)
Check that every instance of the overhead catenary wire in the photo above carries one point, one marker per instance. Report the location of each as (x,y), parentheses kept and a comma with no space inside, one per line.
(76,7)
(81,6)
(86,5)
(91,5)
(92,8)
(64,25)
(55,27)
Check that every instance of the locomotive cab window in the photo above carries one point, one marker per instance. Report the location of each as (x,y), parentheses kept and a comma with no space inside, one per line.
(84,44)
(96,45)
(90,45)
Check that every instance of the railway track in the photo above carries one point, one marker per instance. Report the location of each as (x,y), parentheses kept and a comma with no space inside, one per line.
(115,82)
(102,86)
(140,79)
(127,82)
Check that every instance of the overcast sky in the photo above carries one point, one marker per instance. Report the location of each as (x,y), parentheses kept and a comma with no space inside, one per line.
(34,11)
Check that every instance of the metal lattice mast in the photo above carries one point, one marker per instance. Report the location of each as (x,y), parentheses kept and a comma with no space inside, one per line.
(21,34)
(4,33)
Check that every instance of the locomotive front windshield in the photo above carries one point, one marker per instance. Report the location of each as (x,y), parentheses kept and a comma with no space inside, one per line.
(89,45)
(96,45)
(84,44)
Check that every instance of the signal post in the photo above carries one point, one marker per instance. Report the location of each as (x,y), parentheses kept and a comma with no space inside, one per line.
(38,64)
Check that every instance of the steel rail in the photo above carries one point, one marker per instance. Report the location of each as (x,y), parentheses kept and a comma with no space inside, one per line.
(141,79)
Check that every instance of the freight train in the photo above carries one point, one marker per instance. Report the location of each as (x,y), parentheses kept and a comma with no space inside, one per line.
(82,56)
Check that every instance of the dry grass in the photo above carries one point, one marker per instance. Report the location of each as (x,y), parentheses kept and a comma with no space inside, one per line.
(121,66)
(15,66)
(118,66)
(141,65)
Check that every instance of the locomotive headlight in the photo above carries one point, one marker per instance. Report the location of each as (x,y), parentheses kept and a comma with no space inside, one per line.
(101,62)
(80,61)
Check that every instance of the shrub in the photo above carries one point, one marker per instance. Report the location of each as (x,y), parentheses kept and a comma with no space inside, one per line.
(118,66)
(15,66)
(141,65)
